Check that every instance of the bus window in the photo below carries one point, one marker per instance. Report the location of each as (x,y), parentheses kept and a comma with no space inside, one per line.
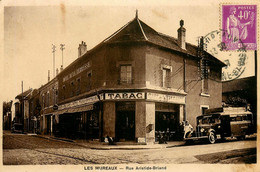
(205,121)
(211,120)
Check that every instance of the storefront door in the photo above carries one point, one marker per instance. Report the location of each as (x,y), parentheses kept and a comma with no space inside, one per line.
(48,124)
(125,121)
(125,125)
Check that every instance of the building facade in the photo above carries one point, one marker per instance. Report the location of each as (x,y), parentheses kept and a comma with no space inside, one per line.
(22,109)
(134,86)
(48,99)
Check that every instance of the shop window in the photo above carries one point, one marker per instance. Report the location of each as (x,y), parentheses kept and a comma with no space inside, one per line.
(125,74)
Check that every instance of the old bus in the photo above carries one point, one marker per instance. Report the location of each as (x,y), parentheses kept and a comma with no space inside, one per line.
(220,123)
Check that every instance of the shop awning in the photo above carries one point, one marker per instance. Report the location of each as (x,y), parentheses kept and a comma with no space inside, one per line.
(75,109)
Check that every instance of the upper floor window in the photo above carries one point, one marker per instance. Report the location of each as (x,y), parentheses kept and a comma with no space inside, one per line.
(205,86)
(78,87)
(48,99)
(89,75)
(43,101)
(126,74)
(55,95)
(166,75)
(72,88)
(63,91)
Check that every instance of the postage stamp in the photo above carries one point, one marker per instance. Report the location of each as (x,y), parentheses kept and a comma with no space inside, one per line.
(239,26)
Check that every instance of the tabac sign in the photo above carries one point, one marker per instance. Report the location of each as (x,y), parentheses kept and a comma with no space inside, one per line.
(125,96)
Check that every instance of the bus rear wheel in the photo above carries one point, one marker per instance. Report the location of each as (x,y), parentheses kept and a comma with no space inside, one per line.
(212,137)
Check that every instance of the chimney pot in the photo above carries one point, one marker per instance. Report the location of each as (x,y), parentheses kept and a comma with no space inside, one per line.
(181,35)
(82,48)
(181,23)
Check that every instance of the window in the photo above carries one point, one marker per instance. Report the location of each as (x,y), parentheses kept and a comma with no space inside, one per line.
(126,74)
(89,75)
(55,94)
(166,77)
(64,91)
(78,87)
(72,89)
(43,101)
(205,86)
(48,99)
(205,121)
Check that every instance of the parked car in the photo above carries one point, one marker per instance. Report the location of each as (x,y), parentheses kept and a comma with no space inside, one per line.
(219,123)
(17,128)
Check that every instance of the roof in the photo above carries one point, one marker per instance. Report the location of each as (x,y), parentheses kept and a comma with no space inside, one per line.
(137,31)
(24,94)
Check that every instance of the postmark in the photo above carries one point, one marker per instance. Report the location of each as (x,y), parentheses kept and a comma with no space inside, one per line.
(236,61)
(239,26)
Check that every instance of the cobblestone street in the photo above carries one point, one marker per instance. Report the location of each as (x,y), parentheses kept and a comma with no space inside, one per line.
(21,149)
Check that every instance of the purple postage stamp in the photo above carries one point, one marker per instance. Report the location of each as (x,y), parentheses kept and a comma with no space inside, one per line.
(239,27)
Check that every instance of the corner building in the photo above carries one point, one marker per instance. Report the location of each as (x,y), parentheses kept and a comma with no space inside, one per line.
(134,85)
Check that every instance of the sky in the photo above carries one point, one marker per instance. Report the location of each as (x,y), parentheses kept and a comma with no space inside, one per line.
(30,31)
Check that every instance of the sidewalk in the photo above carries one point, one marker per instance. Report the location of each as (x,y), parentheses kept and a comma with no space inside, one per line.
(119,145)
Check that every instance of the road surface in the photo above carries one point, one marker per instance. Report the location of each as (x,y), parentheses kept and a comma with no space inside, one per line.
(20,149)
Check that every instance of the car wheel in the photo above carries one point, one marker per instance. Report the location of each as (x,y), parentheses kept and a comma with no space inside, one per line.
(212,137)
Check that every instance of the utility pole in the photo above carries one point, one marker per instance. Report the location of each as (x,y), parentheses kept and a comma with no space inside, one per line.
(62,47)
(53,51)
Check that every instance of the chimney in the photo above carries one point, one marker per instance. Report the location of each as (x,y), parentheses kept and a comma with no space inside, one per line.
(82,48)
(57,71)
(49,76)
(181,35)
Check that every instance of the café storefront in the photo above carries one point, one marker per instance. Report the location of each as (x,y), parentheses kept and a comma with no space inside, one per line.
(125,116)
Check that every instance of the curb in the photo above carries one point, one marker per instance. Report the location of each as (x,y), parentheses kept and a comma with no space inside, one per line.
(113,147)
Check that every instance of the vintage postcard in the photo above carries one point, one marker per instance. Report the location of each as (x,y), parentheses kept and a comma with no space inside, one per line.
(129,85)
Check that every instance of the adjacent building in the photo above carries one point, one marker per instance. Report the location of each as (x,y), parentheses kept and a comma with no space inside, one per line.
(48,99)
(22,114)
